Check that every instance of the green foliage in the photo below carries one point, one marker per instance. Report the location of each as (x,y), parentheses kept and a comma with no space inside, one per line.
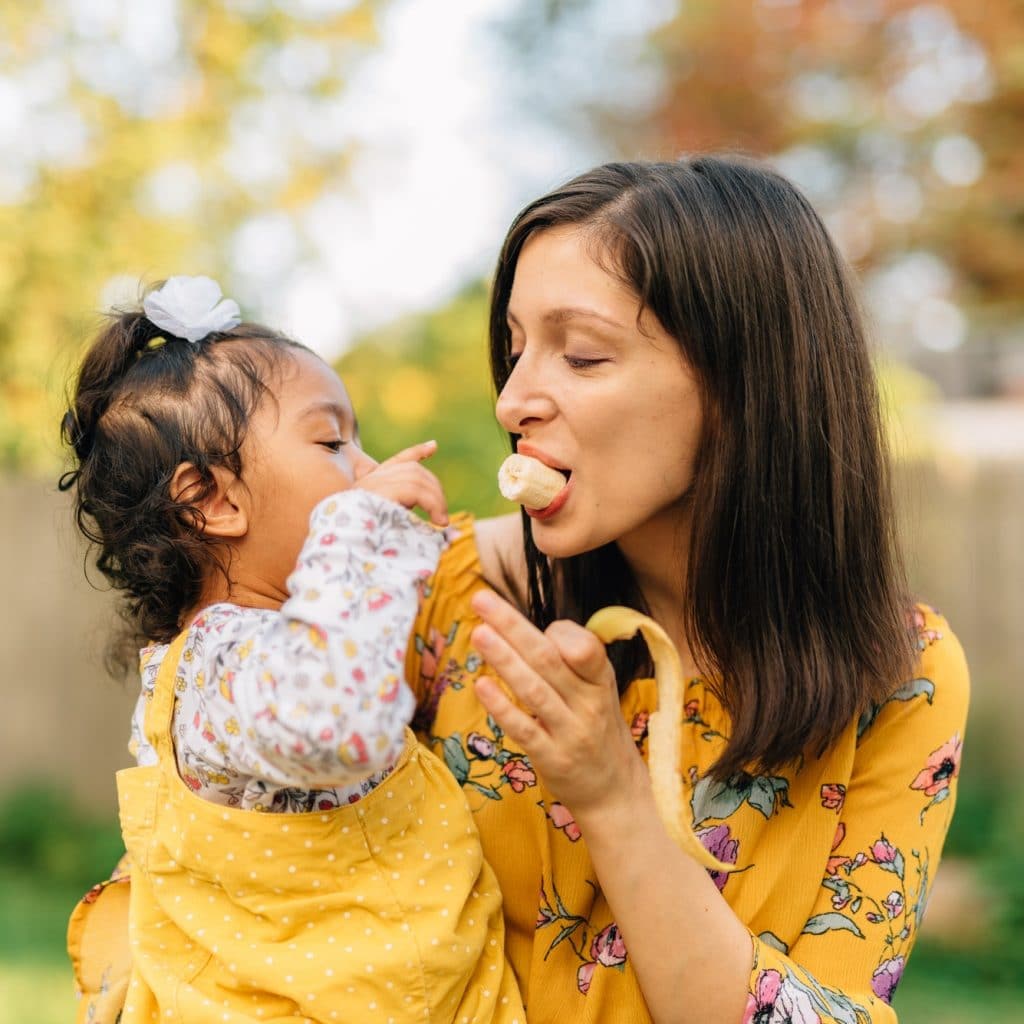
(43,832)
(51,854)
(427,377)
(76,224)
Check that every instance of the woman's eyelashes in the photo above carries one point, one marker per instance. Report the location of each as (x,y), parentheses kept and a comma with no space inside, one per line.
(574,362)
(334,445)
(582,362)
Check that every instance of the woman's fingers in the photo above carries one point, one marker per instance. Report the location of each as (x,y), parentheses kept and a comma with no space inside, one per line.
(532,689)
(523,729)
(582,651)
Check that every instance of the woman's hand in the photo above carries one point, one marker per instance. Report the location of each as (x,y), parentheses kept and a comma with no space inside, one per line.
(573,730)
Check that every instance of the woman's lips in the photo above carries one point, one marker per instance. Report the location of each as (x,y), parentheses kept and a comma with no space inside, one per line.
(556,504)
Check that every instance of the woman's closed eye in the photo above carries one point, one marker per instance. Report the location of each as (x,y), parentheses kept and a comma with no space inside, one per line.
(583,362)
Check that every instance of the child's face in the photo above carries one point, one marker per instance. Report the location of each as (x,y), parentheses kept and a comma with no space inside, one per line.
(300,447)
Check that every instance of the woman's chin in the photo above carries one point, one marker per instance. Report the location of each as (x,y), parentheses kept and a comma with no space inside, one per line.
(557,540)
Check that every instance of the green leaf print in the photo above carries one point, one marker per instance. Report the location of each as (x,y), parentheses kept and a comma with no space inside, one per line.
(831,922)
(771,939)
(486,791)
(455,757)
(908,691)
(713,799)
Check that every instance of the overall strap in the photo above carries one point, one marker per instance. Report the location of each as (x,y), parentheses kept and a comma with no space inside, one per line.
(160,709)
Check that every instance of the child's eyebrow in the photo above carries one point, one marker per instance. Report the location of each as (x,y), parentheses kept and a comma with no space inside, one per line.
(339,412)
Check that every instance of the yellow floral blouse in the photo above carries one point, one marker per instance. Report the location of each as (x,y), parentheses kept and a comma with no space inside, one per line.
(836,854)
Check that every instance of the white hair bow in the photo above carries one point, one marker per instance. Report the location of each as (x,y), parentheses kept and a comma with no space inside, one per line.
(190,308)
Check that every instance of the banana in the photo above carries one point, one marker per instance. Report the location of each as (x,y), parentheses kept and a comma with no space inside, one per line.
(529,482)
(664,726)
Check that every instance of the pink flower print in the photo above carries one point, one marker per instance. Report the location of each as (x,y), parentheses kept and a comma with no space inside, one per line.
(377,599)
(328,539)
(638,727)
(719,843)
(519,774)
(894,904)
(925,637)
(481,746)
(835,863)
(874,918)
(192,781)
(886,977)
(833,795)
(583,976)
(561,817)
(883,852)
(390,552)
(608,949)
(432,651)
(778,1002)
(943,765)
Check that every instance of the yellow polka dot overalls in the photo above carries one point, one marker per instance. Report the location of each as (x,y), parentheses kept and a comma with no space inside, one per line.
(383,910)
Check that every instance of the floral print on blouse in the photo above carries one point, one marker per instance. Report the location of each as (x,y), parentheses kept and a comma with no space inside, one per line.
(304,708)
(835,854)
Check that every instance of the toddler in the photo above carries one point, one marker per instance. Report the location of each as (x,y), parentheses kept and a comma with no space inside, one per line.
(294,853)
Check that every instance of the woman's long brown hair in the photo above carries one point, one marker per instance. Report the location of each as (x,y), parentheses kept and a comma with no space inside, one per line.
(794,597)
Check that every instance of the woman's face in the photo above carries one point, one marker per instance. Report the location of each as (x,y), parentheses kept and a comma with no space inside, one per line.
(601,391)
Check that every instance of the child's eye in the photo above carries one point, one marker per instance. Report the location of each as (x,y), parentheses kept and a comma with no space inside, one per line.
(334,446)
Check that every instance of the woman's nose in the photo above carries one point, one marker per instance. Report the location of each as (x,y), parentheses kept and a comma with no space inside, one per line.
(524,399)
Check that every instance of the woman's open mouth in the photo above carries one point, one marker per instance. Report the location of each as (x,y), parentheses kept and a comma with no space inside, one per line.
(557,502)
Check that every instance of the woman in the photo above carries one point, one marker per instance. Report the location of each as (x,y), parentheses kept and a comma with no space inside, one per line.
(682,341)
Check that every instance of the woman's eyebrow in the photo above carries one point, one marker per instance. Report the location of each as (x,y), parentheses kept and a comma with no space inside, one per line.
(563,313)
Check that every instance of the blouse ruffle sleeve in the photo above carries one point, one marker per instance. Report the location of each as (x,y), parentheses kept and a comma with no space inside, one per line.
(429,669)
(312,696)
(845,966)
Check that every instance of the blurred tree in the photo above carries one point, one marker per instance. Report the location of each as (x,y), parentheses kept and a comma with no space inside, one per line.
(140,137)
(903,122)
(427,377)
(901,119)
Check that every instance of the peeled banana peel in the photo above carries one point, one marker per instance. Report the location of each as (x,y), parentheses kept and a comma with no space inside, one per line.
(529,482)
(663,727)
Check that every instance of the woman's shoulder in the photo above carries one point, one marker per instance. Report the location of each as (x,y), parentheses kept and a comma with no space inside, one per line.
(936,696)
(940,656)
(483,551)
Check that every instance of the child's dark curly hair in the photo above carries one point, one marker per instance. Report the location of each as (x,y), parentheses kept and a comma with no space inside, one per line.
(142,404)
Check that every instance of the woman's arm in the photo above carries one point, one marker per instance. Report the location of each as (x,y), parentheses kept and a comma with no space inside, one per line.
(499,542)
(681,934)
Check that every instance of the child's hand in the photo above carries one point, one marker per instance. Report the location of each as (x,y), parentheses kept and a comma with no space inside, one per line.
(401,478)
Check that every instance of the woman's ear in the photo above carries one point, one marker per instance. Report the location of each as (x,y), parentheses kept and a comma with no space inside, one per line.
(224,509)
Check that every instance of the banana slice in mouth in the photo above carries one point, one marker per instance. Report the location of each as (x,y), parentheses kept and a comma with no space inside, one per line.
(529,482)
(664,728)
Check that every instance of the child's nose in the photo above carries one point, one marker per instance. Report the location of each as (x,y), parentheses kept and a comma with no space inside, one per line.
(361,462)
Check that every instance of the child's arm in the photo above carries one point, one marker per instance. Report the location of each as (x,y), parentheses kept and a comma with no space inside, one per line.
(313,696)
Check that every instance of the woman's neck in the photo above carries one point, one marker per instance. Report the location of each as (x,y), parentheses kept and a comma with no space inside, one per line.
(657,557)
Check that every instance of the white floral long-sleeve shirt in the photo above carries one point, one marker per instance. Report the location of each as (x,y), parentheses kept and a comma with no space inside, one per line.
(304,708)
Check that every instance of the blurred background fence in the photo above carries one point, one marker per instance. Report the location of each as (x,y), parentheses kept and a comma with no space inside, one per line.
(346,169)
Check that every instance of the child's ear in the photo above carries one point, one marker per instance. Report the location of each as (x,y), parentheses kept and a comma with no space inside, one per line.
(224,509)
